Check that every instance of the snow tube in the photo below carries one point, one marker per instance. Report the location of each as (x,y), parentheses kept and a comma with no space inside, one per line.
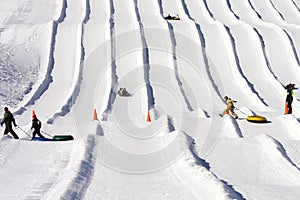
(256,119)
(62,137)
(41,139)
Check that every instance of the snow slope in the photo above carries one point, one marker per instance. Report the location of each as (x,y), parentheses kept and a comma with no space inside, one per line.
(64,58)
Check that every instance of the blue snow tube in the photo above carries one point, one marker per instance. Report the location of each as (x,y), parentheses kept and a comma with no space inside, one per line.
(41,139)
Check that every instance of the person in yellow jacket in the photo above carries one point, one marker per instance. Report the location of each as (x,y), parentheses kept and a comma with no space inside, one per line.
(229,107)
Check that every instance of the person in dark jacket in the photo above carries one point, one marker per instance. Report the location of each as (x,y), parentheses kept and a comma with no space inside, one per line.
(289,97)
(36,125)
(8,120)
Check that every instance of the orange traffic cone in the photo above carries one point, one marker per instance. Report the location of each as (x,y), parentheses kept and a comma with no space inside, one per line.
(286,110)
(148,117)
(33,114)
(95,115)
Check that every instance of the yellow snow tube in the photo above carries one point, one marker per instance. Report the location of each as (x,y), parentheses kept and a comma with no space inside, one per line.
(256,119)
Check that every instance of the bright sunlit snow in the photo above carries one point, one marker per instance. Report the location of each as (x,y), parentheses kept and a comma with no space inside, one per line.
(66,60)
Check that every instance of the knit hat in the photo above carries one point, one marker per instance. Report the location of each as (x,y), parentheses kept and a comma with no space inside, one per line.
(33,115)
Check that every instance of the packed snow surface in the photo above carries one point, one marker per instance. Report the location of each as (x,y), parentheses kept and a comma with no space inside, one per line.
(66,60)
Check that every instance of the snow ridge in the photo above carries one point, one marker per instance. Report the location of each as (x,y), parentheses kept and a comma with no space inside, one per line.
(151,100)
(201,162)
(207,8)
(204,183)
(270,144)
(173,40)
(203,45)
(293,46)
(251,85)
(258,15)
(276,10)
(114,77)
(261,39)
(175,64)
(295,5)
(48,79)
(229,6)
(171,126)
(87,11)
(82,180)
(70,102)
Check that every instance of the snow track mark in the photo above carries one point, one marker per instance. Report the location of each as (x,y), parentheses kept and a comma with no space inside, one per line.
(114,76)
(203,183)
(175,64)
(151,100)
(250,85)
(82,180)
(73,96)
(203,45)
(277,153)
(48,78)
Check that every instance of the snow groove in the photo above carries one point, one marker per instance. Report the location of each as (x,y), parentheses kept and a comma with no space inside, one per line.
(250,85)
(87,12)
(205,164)
(175,64)
(293,46)
(261,39)
(171,126)
(258,15)
(208,10)
(114,77)
(48,79)
(295,5)
(229,6)
(71,101)
(286,32)
(203,45)
(151,100)
(276,152)
(80,183)
(203,182)
(264,26)
(277,10)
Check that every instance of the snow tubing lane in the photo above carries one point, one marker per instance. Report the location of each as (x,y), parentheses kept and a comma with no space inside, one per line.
(256,119)
(62,137)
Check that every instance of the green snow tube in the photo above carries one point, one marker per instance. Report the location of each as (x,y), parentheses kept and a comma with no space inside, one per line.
(62,137)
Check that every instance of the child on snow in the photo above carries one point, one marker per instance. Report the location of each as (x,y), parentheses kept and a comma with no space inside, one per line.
(36,125)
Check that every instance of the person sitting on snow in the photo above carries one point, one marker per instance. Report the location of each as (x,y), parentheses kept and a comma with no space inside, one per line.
(36,125)
(8,120)
(169,17)
(123,92)
(229,107)
(176,17)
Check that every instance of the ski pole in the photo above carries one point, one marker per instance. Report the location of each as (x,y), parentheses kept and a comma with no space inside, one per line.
(241,111)
(47,134)
(23,131)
